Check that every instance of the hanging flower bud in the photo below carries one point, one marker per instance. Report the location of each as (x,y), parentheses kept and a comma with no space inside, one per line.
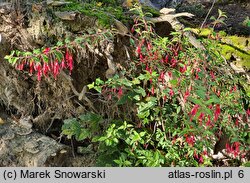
(31,66)
(46,69)
(56,69)
(152,90)
(63,64)
(39,71)
(120,92)
(217,112)
(166,59)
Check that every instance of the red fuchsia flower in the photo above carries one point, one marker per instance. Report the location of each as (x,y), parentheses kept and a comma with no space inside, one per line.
(166,59)
(69,60)
(171,92)
(150,71)
(56,69)
(156,55)
(149,46)
(196,155)
(212,75)
(237,122)
(39,71)
(201,159)
(201,116)
(233,149)
(31,66)
(51,65)
(165,98)
(248,112)
(46,69)
(217,112)
(218,93)
(63,64)
(186,95)
(197,73)
(205,152)
(183,69)
(138,50)
(208,123)
(20,66)
(141,58)
(120,92)
(132,29)
(170,74)
(173,62)
(161,77)
(152,90)
(46,51)
(228,148)
(190,140)
(234,88)
(194,110)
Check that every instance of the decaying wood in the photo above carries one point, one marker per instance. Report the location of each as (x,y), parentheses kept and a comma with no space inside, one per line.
(21,146)
(168,15)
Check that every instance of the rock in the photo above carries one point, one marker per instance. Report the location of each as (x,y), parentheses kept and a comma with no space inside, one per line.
(29,148)
(159,4)
(57,3)
(66,15)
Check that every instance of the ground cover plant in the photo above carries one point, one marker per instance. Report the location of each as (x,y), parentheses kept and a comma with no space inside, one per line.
(171,105)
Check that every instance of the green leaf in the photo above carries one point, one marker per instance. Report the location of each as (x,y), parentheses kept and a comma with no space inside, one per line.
(7,57)
(208,111)
(212,18)
(132,42)
(137,97)
(36,59)
(37,51)
(123,99)
(92,85)
(178,109)
(45,58)
(201,94)
(67,40)
(59,55)
(173,82)
(27,53)
(136,81)
(98,81)
(125,82)
(215,99)
(60,43)
(83,135)
(13,60)
(196,101)
(140,91)
(90,117)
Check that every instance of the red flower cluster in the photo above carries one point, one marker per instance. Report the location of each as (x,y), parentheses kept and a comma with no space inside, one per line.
(217,112)
(194,111)
(44,68)
(233,149)
(190,139)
